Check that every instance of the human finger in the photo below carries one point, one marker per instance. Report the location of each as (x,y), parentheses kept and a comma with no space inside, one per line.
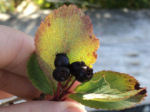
(45,106)
(17,85)
(15,49)
(5,95)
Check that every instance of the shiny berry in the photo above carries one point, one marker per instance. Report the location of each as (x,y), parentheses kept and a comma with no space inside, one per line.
(61,60)
(84,74)
(75,67)
(61,74)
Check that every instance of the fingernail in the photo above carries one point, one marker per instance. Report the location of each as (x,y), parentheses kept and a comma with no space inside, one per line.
(73,109)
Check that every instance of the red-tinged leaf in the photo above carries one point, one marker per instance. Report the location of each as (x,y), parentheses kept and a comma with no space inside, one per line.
(66,30)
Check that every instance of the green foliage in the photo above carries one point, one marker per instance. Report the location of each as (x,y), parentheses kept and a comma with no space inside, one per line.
(37,76)
(118,105)
(10,5)
(109,90)
(106,4)
(44,4)
(133,4)
(6,5)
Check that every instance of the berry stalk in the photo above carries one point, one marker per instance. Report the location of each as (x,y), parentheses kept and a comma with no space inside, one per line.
(66,90)
(59,88)
(67,82)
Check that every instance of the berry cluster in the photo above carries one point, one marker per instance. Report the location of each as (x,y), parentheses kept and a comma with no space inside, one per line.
(64,69)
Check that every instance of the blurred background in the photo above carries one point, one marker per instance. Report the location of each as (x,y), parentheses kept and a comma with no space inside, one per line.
(123,27)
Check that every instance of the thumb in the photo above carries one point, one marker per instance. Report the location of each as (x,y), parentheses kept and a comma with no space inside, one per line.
(45,106)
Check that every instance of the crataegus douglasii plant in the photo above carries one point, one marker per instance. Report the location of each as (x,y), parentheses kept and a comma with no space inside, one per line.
(65,51)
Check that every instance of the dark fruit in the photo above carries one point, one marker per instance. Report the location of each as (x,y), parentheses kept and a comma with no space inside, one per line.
(76,66)
(81,71)
(84,74)
(61,60)
(61,74)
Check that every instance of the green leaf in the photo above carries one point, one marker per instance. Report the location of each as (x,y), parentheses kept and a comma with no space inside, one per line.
(110,97)
(101,92)
(118,105)
(37,76)
(120,81)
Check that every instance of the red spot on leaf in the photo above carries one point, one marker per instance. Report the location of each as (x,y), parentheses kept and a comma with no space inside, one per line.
(49,24)
(137,86)
(143,92)
(94,54)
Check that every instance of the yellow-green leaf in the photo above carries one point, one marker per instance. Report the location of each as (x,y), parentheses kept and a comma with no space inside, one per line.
(120,81)
(105,91)
(118,105)
(66,30)
(110,97)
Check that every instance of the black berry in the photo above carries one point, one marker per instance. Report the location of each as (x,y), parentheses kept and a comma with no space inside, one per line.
(61,74)
(61,60)
(75,67)
(81,71)
(84,74)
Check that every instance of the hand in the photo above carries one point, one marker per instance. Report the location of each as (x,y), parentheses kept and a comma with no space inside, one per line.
(15,49)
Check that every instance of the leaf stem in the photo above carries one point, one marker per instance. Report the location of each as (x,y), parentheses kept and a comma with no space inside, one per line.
(59,87)
(70,85)
(62,91)
(66,91)
(66,84)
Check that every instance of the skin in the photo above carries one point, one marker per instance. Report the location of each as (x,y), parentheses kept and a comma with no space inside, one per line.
(15,49)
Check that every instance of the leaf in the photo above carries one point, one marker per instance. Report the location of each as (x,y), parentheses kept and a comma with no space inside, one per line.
(65,30)
(100,93)
(118,105)
(120,81)
(37,76)
(110,97)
